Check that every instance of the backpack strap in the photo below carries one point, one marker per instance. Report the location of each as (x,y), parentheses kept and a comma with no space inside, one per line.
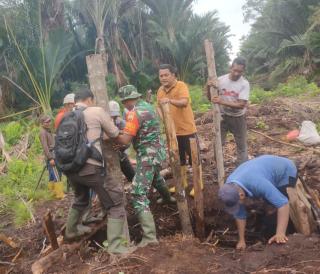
(95,153)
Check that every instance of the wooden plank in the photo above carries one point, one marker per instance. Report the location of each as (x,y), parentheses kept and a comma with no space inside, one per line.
(198,192)
(176,169)
(50,231)
(212,76)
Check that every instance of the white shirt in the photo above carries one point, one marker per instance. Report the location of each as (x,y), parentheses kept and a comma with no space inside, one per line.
(232,91)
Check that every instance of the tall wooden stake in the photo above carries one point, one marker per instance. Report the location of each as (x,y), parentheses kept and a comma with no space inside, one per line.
(96,64)
(176,170)
(198,193)
(212,75)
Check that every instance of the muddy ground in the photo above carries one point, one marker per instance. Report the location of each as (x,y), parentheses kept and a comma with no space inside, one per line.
(178,254)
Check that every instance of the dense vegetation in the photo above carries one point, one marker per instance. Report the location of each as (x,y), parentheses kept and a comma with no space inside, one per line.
(284,39)
(43,45)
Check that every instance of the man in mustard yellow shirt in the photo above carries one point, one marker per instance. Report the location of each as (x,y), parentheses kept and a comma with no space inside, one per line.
(176,93)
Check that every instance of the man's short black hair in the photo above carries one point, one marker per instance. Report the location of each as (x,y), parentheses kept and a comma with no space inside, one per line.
(171,68)
(82,94)
(240,61)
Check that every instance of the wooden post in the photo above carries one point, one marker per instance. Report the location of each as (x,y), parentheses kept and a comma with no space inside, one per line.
(212,75)
(198,193)
(301,209)
(97,71)
(96,65)
(50,231)
(176,170)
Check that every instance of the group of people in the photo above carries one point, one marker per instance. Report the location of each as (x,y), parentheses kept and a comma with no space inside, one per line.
(261,177)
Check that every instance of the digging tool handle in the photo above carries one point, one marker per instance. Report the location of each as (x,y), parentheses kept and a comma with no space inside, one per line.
(44,168)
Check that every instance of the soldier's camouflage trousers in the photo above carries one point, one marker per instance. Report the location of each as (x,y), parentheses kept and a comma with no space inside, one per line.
(146,175)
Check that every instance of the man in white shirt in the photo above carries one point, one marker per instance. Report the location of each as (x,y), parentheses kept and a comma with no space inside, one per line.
(234,91)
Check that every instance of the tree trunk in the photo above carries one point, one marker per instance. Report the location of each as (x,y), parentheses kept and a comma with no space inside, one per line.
(176,170)
(2,103)
(216,111)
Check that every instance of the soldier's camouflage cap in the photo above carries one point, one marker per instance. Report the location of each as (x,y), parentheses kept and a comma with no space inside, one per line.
(129,92)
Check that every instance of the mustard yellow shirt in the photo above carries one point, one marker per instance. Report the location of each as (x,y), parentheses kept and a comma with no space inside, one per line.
(183,117)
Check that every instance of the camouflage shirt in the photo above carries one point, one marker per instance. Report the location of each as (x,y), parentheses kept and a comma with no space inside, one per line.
(142,122)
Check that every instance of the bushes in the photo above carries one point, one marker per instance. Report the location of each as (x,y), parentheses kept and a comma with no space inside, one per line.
(18,184)
(12,132)
(295,86)
(258,95)
(198,101)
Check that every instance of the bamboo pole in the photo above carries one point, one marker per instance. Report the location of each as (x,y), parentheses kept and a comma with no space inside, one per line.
(176,169)
(212,75)
(198,193)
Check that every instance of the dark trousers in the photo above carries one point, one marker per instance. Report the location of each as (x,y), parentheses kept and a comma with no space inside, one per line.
(185,149)
(89,177)
(238,127)
(126,166)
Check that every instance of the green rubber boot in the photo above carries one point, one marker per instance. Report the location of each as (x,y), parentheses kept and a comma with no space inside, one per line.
(117,242)
(74,230)
(166,198)
(149,229)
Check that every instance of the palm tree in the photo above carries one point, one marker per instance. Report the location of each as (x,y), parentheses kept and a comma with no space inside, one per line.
(106,16)
(279,44)
(42,63)
(178,34)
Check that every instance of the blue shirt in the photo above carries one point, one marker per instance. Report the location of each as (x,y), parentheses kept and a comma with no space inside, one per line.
(262,177)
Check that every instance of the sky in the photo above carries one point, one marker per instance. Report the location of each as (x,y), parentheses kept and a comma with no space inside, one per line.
(230,12)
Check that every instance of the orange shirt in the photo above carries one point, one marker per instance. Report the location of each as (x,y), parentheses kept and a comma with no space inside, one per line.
(132,123)
(183,117)
(59,117)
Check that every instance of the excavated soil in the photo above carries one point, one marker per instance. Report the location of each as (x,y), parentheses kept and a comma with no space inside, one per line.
(183,255)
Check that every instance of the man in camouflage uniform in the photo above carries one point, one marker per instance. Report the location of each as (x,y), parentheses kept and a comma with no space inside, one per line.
(143,129)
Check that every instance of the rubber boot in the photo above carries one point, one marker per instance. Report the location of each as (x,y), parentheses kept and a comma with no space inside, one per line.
(117,242)
(73,229)
(58,190)
(201,184)
(165,194)
(149,229)
(183,170)
(89,218)
(51,186)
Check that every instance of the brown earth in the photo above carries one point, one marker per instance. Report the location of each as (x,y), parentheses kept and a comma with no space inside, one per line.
(178,254)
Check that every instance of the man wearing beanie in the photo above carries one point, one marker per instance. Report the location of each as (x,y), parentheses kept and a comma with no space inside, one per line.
(264,177)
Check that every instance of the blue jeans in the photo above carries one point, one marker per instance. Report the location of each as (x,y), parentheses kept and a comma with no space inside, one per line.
(53,174)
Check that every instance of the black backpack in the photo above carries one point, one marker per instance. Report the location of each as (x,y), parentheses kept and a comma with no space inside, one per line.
(72,149)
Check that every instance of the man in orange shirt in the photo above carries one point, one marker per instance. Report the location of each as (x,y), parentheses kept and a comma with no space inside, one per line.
(68,105)
(176,94)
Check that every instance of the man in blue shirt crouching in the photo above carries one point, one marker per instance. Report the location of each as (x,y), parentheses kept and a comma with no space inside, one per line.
(264,177)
